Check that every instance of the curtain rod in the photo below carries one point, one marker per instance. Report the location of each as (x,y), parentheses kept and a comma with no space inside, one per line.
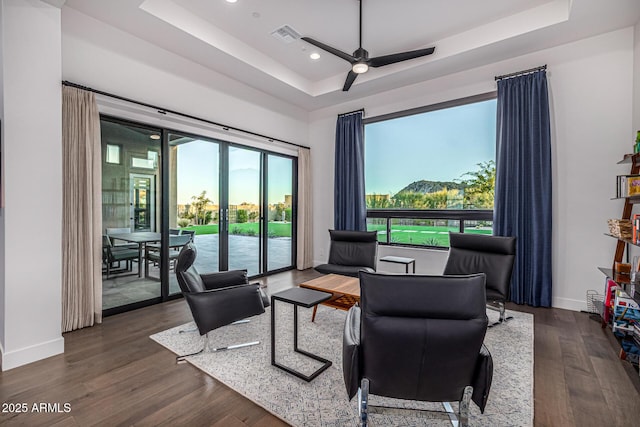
(161,110)
(520,73)
(352,112)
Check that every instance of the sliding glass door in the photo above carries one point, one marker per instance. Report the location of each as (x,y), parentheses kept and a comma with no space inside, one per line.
(244,209)
(194,199)
(163,189)
(279,178)
(131,198)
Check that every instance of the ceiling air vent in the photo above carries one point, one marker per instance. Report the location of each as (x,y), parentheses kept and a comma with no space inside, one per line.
(286,34)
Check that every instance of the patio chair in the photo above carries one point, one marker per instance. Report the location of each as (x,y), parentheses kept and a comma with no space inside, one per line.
(114,255)
(188,233)
(152,251)
(120,244)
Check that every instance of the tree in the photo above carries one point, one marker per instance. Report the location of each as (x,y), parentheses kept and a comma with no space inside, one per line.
(479,189)
(408,200)
(241,216)
(199,204)
(377,201)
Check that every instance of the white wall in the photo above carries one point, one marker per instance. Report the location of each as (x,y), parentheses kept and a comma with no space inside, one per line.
(590,85)
(2,281)
(32,217)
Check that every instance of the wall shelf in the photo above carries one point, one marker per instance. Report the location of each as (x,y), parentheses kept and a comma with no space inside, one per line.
(621,325)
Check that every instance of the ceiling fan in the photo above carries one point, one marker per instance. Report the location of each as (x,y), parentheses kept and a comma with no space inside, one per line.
(360,61)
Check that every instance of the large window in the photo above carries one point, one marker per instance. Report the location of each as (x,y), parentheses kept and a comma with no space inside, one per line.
(430,171)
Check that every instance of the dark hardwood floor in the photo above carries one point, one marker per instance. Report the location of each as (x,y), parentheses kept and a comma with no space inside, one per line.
(113,374)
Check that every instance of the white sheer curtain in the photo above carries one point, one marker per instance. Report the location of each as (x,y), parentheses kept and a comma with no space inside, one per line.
(305,211)
(81,211)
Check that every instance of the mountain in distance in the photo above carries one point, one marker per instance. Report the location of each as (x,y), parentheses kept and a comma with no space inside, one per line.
(425,187)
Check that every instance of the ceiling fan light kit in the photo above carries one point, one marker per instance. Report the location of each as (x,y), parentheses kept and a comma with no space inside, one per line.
(360,61)
(360,67)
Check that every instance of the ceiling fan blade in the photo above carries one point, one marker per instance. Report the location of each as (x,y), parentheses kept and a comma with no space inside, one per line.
(350,78)
(379,61)
(330,49)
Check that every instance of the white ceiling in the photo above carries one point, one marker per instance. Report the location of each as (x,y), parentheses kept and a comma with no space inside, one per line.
(235,38)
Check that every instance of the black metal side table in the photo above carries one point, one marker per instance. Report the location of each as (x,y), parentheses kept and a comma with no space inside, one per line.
(304,298)
(400,260)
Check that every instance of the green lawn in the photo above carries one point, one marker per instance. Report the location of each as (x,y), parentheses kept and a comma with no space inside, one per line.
(276,229)
(203,229)
(420,234)
(404,234)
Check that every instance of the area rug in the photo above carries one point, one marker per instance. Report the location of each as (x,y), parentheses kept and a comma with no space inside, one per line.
(323,401)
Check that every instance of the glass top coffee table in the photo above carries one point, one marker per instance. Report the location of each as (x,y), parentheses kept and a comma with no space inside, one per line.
(344,290)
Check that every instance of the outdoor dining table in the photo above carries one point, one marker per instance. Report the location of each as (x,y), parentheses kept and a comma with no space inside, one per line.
(141,238)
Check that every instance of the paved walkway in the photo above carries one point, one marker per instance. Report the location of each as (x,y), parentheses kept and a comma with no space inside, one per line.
(244,253)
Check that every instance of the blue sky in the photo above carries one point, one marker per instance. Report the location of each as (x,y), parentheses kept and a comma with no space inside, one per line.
(197,170)
(437,146)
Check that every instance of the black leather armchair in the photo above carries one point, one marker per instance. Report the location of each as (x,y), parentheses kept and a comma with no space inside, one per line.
(418,338)
(350,252)
(217,299)
(491,255)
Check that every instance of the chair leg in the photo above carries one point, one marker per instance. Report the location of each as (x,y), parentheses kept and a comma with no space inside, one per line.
(501,308)
(207,347)
(363,402)
(463,410)
(313,316)
(461,419)
(195,328)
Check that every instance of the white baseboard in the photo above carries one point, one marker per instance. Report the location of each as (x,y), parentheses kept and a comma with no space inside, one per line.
(569,304)
(23,356)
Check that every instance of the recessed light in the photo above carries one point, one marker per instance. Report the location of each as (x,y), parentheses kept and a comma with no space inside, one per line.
(231,1)
(314,56)
(155,136)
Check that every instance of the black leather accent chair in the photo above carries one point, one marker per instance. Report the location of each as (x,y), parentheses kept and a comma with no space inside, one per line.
(491,255)
(217,299)
(419,338)
(350,252)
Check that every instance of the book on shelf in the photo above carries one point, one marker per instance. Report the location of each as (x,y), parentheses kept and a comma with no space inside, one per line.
(635,229)
(628,186)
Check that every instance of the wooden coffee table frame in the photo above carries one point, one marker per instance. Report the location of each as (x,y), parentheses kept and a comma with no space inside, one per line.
(344,290)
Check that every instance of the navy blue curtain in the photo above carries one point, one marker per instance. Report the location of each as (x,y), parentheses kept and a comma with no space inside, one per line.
(523,183)
(350,210)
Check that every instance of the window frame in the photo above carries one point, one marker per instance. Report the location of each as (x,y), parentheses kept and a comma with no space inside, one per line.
(461,215)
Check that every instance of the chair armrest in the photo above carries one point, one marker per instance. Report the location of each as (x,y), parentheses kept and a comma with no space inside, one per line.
(482,378)
(219,307)
(224,279)
(266,301)
(351,351)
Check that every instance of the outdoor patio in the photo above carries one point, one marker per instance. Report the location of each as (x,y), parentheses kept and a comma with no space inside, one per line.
(243,254)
